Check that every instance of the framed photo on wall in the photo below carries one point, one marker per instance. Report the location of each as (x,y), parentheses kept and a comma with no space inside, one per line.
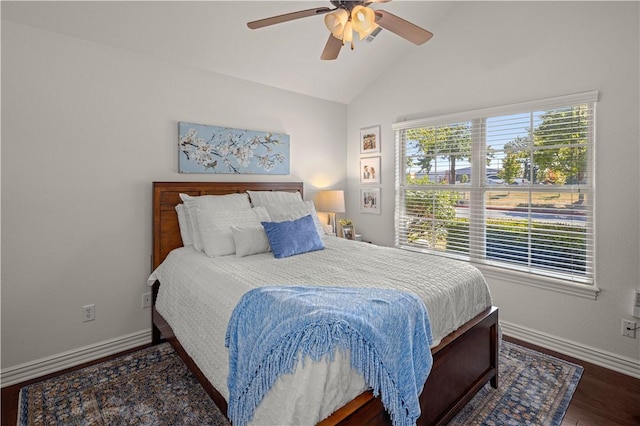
(370,140)
(370,170)
(370,200)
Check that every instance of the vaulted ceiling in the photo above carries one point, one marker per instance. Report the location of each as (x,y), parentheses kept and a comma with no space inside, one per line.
(213,36)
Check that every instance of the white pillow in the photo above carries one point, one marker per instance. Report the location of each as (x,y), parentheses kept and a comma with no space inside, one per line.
(191,210)
(185,225)
(250,240)
(232,202)
(292,211)
(215,227)
(262,198)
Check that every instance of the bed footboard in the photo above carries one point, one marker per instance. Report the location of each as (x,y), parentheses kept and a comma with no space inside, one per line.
(462,364)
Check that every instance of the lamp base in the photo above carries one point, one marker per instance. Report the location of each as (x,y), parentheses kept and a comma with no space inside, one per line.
(332,223)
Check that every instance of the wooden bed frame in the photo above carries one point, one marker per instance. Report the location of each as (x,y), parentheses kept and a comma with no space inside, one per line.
(463,363)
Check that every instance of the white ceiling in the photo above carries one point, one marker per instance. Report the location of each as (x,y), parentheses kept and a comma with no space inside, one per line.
(213,36)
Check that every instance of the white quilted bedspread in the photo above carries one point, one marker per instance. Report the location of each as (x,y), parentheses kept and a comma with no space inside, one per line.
(197,295)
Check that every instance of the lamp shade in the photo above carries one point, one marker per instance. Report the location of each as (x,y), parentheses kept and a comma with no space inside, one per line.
(364,20)
(336,21)
(330,201)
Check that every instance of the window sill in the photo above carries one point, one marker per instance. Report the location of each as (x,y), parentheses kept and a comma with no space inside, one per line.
(546,283)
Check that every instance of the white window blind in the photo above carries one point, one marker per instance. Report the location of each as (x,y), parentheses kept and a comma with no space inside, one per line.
(510,187)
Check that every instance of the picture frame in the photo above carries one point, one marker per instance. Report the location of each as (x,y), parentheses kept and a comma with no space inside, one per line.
(204,148)
(370,140)
(370,170)
(370,200)
(348,232)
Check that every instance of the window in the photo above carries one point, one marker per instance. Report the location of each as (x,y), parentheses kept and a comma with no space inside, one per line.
(510,187)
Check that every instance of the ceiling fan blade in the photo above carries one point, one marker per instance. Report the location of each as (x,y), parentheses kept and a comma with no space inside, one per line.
(331,49)
(287,17)
(401,27)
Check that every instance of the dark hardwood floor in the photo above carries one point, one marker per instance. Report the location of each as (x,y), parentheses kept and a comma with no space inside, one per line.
(603,397)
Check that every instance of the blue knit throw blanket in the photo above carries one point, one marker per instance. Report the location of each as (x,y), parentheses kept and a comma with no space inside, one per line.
(387,331)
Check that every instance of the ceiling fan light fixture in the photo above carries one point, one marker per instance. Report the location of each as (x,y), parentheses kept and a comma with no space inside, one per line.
(364,20)
(371,29)
(336,21)
(347,35)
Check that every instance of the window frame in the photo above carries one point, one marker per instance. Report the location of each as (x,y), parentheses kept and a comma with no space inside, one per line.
(584,288)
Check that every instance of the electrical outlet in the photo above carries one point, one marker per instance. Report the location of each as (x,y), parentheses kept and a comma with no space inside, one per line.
(629,328)
(88,313)
(146,300)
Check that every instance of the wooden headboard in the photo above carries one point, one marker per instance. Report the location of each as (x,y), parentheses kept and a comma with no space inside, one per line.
(166,232)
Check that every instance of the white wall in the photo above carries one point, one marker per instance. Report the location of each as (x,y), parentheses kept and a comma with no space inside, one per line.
(85,130)
(490,54)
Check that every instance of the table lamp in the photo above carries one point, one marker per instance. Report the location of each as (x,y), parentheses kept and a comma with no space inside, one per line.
(330,202)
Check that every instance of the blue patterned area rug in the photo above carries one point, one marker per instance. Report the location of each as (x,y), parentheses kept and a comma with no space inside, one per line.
(148,387)
(533,389)
(153,387)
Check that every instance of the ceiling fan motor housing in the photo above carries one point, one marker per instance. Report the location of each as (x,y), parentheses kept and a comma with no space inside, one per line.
(344,4)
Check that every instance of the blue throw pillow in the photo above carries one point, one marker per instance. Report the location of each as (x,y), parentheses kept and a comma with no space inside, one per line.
(293,237)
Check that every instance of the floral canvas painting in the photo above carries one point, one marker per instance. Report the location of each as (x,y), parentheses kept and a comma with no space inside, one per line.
(213,149)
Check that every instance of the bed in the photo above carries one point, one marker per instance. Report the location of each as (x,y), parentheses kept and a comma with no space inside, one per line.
(463,361)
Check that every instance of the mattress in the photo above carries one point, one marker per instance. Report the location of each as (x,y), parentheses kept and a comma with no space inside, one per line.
(197,295)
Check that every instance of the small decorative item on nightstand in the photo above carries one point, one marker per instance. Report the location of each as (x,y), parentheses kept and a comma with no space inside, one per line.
(347,229)
(348,232)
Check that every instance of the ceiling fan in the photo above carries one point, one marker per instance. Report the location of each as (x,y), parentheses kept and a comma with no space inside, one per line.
(350,16)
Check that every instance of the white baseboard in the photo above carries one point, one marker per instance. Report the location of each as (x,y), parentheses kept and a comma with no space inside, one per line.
(596,356)
(51,364)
